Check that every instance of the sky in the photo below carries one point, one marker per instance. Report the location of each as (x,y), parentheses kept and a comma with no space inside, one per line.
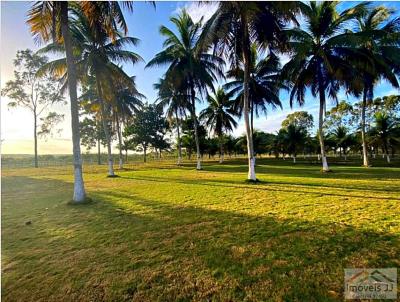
(143,23)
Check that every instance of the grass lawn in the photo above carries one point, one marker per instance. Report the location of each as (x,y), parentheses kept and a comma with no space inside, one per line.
(175,234)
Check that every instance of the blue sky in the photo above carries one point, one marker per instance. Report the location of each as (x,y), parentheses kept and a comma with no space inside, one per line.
(144,24)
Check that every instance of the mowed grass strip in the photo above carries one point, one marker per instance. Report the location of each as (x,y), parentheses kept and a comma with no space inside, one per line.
(162,233)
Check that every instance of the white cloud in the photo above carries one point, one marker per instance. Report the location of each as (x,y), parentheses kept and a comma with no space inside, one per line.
(198,10)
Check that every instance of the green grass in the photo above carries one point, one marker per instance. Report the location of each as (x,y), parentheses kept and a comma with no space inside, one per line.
(176,234)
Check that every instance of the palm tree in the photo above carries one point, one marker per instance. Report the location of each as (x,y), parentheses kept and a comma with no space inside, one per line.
(219,116)
(127,102)
(384,131)
(375,57)
(44,18)
(172,98)
(190,66)
(97,55)
(294,139)
(233,28)
(316,61)
(264,85)
(342,140)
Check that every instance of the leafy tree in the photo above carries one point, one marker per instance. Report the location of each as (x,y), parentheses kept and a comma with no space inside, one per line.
(340,115)
(92,135)
(316,60)
(190,66)
(219,117)
(48,124)
(233,29)
(301,119)
(146,129)
(35,93)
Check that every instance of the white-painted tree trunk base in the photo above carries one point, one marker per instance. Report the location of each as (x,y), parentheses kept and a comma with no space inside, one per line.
(198,167)
(319,157)
(294,159)
(221,159)
(325,166)
(110,168)
(388,158)
(374,155)
(121,166)
(252,172)
(345,157)
(179,162)
(79,191)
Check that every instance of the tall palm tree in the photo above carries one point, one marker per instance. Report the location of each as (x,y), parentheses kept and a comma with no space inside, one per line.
(190,66)
(219,116)
(48,21)
(264,85)
(316,61)
(97,55)
(175,100)
(233,28)
(375,57)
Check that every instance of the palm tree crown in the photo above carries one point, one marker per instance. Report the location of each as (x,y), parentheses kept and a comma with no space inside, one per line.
(316,55)
(264,84)
(219,115)
(190,66)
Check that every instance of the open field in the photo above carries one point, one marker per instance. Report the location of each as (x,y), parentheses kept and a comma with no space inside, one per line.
(174,234)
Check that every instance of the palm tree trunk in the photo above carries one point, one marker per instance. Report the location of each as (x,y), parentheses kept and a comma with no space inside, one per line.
(221,150)
(252,118)
(195,126)
(364,143)
(250,150)
(325,167)
(387,152)
(179,139)
(119,144)
(98,152)
(35,137)
(79,187)
(107,134)
(98,133)
(144,153)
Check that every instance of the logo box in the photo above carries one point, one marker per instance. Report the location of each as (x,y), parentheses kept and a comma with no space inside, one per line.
(370,283)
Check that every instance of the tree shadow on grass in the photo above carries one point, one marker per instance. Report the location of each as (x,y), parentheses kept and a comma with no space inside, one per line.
(126,247)
(265,186)
(307,171)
